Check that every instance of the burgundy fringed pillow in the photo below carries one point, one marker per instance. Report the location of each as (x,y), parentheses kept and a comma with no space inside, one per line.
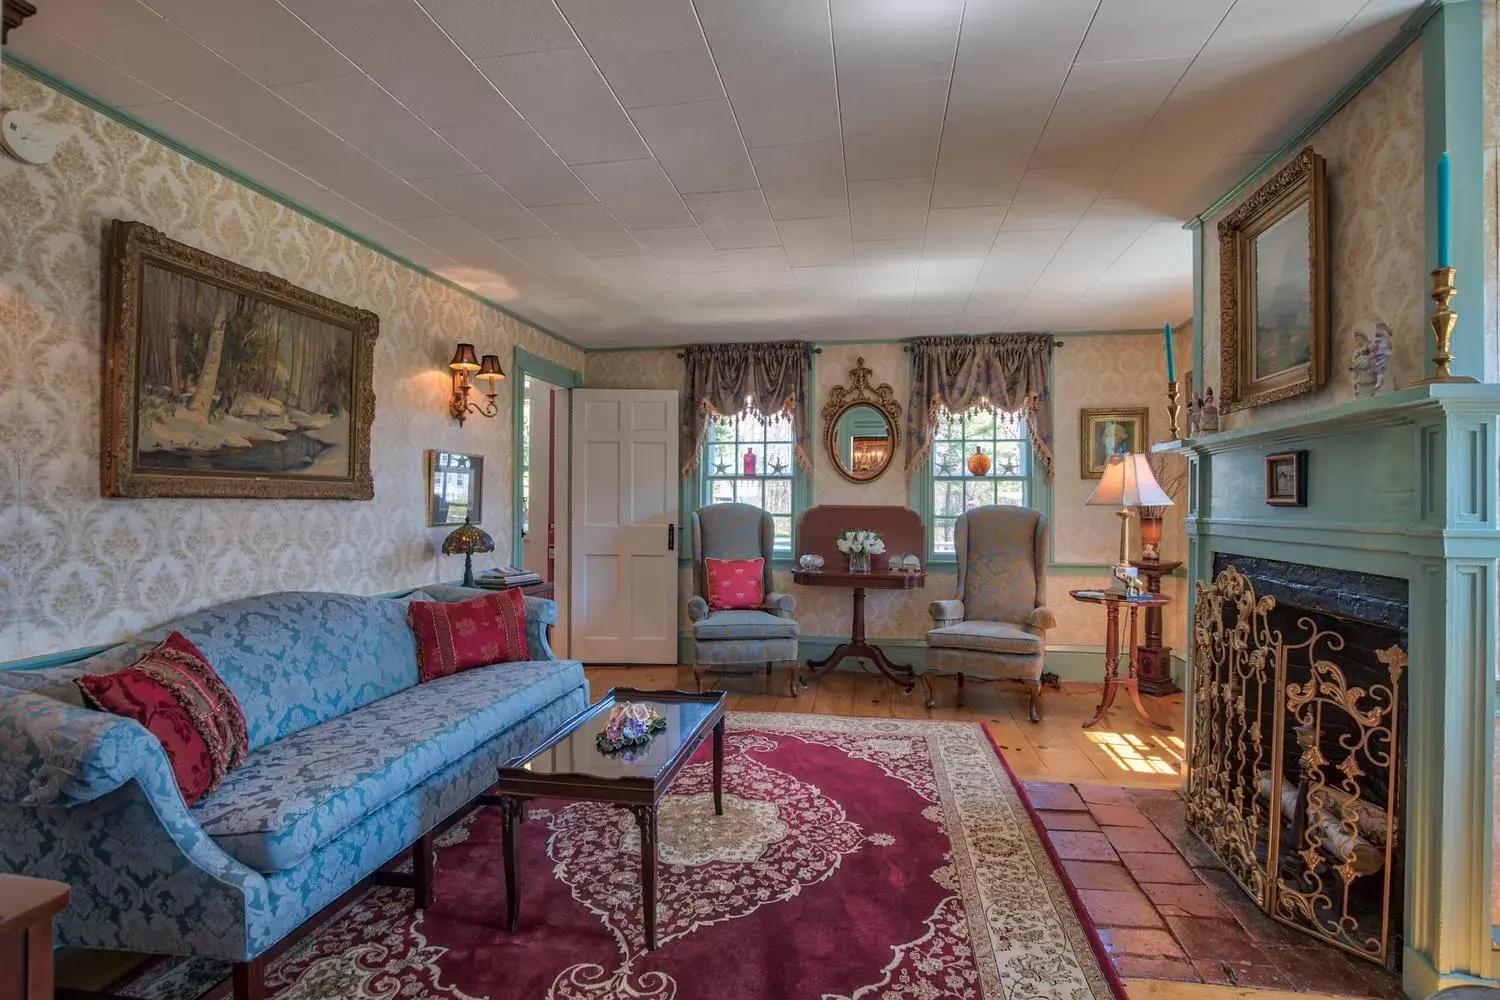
(461,635)
(175,694)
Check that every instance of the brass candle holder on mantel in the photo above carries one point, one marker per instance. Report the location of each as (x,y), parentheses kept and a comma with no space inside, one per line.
(1173,409)
(1443,320)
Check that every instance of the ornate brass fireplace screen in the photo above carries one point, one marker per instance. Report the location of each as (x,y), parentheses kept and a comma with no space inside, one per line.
(1310,830)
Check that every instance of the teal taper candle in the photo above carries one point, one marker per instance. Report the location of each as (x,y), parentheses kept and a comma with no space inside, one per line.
(1444,211)
(1171,364)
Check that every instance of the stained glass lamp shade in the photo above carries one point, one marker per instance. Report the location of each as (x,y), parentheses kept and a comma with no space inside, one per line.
(468,539)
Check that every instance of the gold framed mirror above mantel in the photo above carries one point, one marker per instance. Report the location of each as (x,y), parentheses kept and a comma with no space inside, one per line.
(861,426)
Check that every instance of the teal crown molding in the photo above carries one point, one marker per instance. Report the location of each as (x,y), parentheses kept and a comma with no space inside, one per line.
(103,107)
(1410,32)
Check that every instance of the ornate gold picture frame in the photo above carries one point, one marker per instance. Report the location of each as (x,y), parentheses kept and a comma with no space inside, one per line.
(1104,432)
(861,426)
(1273,274)
(220,381)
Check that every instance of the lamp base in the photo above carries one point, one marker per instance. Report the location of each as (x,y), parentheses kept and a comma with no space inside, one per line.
(468,570)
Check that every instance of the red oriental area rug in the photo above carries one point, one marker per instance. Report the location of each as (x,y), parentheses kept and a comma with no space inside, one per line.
(856,858)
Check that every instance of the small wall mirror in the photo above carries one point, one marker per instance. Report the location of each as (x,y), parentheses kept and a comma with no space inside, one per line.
(455,487)
(861,426)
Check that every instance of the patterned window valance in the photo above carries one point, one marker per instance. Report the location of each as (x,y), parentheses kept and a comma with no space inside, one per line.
(1005,371)
(730,380)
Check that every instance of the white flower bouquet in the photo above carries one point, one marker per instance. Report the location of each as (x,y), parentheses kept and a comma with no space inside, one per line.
(859,546)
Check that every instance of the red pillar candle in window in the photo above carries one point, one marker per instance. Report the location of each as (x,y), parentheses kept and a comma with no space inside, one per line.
(749,461)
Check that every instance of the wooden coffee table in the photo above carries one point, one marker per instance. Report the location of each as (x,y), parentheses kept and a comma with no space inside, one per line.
(569,765)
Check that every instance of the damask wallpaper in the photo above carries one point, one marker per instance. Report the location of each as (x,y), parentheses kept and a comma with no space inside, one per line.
(1125,369)
(1374,148)
(76,569)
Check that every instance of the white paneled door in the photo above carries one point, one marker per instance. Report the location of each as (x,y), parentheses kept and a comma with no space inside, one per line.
(625,536)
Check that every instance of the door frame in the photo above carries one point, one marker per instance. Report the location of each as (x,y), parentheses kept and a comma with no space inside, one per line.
(525,363)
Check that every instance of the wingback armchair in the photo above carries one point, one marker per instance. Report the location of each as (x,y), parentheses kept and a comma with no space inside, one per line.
(727,642)
(995,628)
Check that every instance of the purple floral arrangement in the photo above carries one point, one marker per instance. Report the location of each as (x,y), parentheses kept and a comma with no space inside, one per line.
(629,725)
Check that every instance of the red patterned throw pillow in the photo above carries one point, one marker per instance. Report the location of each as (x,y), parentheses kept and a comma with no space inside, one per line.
(452,637)
(735,584)
(175,694)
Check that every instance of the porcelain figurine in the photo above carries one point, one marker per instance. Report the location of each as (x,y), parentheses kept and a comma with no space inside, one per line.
(1371,360)
(1208,413)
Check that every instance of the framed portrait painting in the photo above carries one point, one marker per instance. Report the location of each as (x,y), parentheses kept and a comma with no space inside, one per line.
(221,381)
(1286,479)
(1273,296)
(1104,433)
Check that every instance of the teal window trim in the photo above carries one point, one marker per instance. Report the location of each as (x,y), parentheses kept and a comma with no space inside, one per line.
(524,363)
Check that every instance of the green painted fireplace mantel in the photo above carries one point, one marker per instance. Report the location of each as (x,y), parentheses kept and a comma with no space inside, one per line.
(1403,485)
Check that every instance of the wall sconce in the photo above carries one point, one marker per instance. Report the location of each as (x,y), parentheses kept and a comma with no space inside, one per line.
(467,369)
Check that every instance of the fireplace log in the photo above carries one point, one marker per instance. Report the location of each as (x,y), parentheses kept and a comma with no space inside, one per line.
(1341,845)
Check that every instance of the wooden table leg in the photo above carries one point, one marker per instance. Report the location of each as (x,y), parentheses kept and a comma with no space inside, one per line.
(510,818)
(857,646)
(645,818)
(1111,662)
(1133,686)
(719,768)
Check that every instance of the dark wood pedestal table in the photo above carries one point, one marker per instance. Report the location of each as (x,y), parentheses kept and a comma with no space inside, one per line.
(1113,682)
(1155,659)
(569,765)
(857,646)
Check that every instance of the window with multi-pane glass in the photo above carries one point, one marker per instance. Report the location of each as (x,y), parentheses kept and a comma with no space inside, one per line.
(749,460)
(1000,437)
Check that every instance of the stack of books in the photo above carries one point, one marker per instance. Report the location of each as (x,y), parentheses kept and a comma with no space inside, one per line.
(507,576)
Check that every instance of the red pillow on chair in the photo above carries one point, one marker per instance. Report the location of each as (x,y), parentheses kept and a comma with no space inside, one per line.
(175,694)
(735,584)
(458,636)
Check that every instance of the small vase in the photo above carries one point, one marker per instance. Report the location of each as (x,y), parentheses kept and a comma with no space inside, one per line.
(859,562)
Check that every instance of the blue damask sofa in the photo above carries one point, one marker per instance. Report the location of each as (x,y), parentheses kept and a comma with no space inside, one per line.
(351,762)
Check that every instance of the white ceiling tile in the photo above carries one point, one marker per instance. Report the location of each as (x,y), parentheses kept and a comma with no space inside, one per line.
(947,278)
(562,95)
(1017,259)
(759,267)
(1013,56)
(637,192)
(1070,274)
(483,204)
(358,111)
(263,39)
(66,16)
(734,219)
(885,273)
(651,51)
(59,55)
(1111,224)
(981,166)
(827,283)
(635,273)
(591,229)
(519,161)
(553,256)
(802,181)
(1056,198)
(1150,29)
(406,52)
(962,231)
(891,129)
(680,249)
(816,242)
(698,145)
(988,313)
(884,40)
(485,28)
(890,209)
(1102,110)
(467,246)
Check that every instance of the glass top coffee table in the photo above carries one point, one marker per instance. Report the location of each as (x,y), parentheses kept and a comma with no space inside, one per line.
(569,765)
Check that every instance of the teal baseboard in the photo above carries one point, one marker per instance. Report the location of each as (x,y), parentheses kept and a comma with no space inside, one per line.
(1070,663)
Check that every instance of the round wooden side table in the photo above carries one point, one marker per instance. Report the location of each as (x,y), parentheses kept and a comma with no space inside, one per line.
(1113,682)
(857,646)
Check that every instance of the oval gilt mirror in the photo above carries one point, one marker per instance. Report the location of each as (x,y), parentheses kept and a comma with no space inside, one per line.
(861,426)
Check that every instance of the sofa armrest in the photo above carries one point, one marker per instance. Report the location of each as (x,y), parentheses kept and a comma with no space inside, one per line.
(946,612)
(1041,619)
(780,605)
(53,754)
(697,608)
(541,615)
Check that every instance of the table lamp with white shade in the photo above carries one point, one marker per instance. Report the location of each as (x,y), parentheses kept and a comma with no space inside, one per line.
(1127,482)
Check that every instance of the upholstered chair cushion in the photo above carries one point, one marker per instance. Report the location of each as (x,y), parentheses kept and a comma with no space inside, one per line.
(178,697)
(734,584)
(999,549)
(452,637)
(744,625)
(987,637)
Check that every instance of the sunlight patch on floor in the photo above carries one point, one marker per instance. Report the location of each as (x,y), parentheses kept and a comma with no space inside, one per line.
(1140,755)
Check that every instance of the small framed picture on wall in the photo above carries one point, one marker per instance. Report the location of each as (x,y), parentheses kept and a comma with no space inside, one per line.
(1286,479)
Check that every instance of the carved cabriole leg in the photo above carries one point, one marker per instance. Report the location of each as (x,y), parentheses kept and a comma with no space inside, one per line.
(931,694)
(698,676)
(250,979)
(1035,689)
(510,817)
(421,870)
(962,701)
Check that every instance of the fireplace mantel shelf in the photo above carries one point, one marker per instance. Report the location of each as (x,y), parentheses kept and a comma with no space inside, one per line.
(1383,410)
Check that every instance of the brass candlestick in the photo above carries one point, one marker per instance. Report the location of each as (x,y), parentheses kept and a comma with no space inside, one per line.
(1173,409)
(1443,320)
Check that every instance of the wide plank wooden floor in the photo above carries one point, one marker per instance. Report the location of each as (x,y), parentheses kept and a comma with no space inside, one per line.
(1123,750)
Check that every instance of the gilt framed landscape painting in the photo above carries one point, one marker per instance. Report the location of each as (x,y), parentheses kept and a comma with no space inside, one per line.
(221,381)
(1273,274)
